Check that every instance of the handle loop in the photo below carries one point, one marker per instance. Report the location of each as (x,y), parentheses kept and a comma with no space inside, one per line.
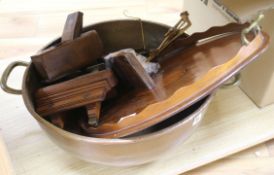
(5,76)
(254,26)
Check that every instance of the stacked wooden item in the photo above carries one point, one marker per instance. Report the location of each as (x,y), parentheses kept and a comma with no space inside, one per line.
(90,92)
(72,57)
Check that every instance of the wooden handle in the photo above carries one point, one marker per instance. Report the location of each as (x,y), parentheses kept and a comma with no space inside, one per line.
(73,26)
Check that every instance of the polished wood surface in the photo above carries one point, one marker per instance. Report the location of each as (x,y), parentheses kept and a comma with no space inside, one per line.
(185,77)
(130,71)
(42,21)
(85,90)
(72,56)
(74,52)
(73,27)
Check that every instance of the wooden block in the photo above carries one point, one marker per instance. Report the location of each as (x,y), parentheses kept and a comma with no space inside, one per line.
(73,27)
(78,92)
(55,63)
(130,71)
(75,51)
(93,111)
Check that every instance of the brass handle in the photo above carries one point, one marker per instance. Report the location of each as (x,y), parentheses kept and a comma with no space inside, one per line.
(234,81)
(254,26)
(5,76)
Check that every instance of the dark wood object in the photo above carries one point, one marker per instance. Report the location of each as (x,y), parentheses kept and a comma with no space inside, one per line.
(87,90)
(73,27)
(188,73)
(93,111)
(74,53)
(58,120)
(130,71)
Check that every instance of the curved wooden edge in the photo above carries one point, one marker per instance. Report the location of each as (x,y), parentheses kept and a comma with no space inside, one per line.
(184,96)
(195,37)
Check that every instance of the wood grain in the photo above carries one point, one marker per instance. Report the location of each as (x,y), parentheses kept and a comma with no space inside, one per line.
(184,78)
(73,27)
(72,56)
(130,71)
(80,91)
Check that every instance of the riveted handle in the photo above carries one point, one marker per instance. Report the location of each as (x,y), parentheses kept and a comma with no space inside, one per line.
(5,76)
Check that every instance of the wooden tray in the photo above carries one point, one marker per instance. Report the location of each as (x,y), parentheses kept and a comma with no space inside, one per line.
(232,123)
(186,76)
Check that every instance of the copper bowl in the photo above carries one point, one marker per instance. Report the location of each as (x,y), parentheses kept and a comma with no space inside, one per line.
(135,149)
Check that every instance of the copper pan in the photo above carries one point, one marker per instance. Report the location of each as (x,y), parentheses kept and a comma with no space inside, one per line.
(144,147)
